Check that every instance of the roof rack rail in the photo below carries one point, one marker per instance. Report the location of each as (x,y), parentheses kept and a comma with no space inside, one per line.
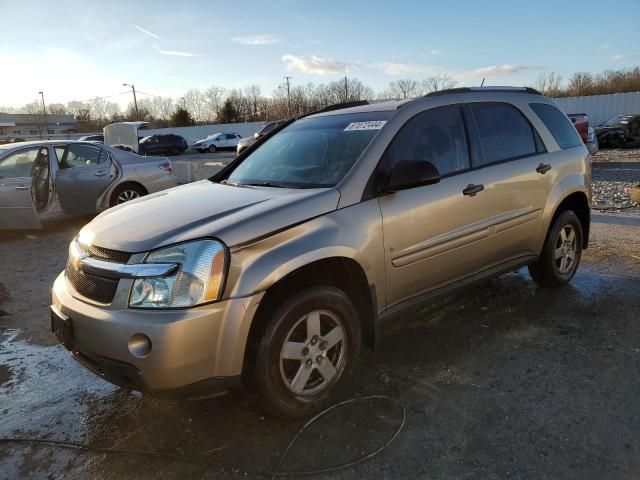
(449,91)
(340,106)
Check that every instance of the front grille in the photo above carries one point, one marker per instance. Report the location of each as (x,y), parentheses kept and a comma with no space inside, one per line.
(107,254)
(95,287)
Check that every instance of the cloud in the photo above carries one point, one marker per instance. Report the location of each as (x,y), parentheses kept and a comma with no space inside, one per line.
(435,52)
(266,39)
(405,69)
(318,65)
(506,69)
(618,56)
(175,53)
(604,46)
(146,32)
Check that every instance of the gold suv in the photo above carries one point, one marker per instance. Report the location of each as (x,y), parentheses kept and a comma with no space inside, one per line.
(277,270)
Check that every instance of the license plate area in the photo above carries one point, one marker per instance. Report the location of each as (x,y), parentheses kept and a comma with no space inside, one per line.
(61,327)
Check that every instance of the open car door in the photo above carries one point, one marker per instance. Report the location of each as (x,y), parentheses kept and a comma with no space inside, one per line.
(17,209)
(84,174)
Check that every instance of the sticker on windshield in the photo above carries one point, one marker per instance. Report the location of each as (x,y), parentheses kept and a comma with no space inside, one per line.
(370,125)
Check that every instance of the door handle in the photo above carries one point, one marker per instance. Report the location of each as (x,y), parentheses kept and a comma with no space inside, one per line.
(22,188)
(101,174)
(472,189)
(543,168)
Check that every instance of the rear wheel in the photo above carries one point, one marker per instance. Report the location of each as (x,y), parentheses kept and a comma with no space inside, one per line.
(174,151)
(306,353)
(561,253)
(126,192)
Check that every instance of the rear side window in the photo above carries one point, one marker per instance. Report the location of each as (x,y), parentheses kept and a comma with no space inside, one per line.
(558,124)
(505,133)
(437,136)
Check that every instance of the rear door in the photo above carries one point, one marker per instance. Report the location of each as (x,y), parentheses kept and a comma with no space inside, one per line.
(433,234)
(518,176)
(17,209)
(84,174)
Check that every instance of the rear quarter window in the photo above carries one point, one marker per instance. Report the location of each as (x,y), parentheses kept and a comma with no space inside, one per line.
(558,124)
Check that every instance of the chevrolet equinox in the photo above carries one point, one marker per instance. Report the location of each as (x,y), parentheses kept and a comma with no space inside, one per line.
(277,270)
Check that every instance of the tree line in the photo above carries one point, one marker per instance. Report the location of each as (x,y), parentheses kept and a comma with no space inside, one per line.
(218,104)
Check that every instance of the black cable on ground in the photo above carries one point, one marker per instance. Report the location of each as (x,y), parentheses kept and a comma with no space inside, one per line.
(273,474)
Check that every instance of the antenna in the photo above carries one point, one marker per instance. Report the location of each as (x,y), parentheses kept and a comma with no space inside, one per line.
(482,82)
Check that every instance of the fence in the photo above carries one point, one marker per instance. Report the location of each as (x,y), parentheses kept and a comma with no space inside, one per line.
(601,108)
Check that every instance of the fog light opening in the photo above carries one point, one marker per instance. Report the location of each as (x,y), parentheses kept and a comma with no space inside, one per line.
(139,345)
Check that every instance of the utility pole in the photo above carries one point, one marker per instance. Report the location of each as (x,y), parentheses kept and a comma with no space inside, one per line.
(288,97)
(135,100)
(346,89)
(44,112)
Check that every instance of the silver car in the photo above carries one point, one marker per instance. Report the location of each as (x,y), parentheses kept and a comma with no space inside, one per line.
(275,272)
(47,180)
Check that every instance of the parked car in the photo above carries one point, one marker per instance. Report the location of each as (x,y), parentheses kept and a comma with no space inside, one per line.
(592,141)
(48,180)
(248,141)
(581,123)
(165,144)
(11,140)
(278,269)
(619,132)
(92,138)
(217,141)
(587,133)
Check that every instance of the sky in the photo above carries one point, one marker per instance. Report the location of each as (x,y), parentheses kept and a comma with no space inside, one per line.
(75,50)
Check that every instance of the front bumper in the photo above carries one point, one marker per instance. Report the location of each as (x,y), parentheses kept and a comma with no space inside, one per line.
(194,352)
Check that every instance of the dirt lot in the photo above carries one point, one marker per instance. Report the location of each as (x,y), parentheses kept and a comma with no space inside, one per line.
(501,380)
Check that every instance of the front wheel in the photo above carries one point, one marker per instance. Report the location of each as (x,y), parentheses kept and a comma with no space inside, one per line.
(561,252)
(306,353)
(212,149)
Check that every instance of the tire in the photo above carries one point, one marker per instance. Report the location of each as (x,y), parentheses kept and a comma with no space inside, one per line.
(305,377)
(212,149)
(173,151)
(126,192)
(561,252)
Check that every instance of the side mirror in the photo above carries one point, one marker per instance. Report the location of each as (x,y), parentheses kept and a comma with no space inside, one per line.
(410,174)
(257,135)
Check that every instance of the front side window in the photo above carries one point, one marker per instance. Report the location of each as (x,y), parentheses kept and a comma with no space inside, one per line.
(437,136)
(311,152)
(558,124)
(504,132)
(19,164)
(79,155)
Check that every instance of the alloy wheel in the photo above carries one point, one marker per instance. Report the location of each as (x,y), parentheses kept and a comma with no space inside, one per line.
(313,354)
(127,195)
(566,249)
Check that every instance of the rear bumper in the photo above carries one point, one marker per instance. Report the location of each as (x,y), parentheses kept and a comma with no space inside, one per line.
(197,351)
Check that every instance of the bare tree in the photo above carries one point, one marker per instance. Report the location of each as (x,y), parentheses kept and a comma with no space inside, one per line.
(252,92)
(403,88)
(112,110)
(80,110)
(215,99)
(56,109)
(98,108)
(162,107)
(548,84)
(36,114)
(437,82)
(194,101)
(581,83)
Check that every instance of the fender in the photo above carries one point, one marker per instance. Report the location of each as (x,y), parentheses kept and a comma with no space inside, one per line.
(354,233)
(569,184)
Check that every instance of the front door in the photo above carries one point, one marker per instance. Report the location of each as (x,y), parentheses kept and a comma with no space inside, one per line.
(435,234)
(17,209)
(84,174)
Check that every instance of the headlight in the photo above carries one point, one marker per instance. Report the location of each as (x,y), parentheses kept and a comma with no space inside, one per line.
(198,280)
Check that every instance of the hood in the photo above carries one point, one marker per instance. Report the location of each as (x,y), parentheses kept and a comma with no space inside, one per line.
(205,209)
(602,129)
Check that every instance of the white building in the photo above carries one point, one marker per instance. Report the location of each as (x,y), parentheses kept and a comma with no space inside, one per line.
(31,126)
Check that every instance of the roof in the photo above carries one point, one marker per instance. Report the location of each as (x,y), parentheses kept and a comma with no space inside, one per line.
(369,107)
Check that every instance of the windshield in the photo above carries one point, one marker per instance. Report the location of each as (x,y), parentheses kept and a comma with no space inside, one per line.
(213,135)
(145,139)
(310,153)
(617,120)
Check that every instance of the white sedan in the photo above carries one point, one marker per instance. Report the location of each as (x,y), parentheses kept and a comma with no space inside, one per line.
(217,141)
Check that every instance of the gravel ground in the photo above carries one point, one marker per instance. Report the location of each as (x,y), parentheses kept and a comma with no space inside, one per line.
(614,172)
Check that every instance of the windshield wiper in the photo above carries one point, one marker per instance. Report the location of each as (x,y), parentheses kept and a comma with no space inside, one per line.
(264,184)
